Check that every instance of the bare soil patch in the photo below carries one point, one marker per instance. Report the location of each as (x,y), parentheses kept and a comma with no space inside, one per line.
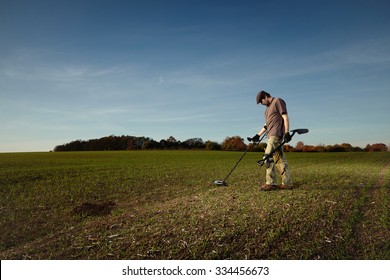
(94,209)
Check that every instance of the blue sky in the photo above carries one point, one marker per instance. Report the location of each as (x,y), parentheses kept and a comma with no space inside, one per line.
(87,69)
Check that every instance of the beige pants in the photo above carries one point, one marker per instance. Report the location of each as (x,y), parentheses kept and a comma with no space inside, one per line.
(279,160)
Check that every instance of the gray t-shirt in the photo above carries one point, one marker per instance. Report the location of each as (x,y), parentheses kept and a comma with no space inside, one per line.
(273,117)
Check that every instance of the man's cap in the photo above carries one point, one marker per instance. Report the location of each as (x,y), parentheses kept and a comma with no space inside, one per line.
(261,95)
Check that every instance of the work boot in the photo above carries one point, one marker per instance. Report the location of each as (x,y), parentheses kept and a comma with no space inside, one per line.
(267,187)
(285,187)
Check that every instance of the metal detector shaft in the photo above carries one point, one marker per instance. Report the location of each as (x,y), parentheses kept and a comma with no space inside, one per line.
(258,142)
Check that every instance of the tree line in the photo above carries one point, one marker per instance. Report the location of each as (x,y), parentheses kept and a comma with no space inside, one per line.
(234,143)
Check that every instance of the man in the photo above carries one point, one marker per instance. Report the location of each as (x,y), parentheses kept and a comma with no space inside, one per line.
(277,126)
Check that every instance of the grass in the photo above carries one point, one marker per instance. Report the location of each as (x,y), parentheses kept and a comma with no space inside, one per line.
(163,205)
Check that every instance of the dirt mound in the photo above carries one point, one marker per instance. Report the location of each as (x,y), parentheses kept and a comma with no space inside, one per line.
(94,209)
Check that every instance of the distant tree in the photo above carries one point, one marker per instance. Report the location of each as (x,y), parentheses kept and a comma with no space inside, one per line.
(210,145)
(124,142)
(347,147)
(77,145)
(234,143)
(163,144)
(299,146)
(130,144)
(357,149)
(336,148)
(288,148)
(257,148)
(378,147)
(171,139)
(172,143)
(320,148)
(194,143)
(308,148)
(150,144)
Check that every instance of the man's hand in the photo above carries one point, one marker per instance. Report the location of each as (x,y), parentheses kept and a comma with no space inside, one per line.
(287,137)
(255,138)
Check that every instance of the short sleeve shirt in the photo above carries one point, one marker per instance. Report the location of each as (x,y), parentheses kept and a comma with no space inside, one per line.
(273,117)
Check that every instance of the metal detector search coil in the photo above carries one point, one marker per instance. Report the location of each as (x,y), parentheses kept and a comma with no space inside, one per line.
(220,183)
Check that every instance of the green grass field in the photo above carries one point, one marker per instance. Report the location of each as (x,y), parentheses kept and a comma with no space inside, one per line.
(163,205)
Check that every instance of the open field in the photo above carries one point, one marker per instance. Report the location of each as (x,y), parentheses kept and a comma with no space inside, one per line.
(163,205)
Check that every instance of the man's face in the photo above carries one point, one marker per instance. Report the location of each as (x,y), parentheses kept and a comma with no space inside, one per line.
(265,101)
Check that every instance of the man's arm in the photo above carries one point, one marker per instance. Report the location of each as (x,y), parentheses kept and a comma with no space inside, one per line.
(286,123)
(262,130)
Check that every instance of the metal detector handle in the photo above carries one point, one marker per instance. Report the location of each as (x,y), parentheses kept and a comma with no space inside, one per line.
(261,139)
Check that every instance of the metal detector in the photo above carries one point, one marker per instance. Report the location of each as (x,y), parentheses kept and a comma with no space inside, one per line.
(265,158)
(223,182)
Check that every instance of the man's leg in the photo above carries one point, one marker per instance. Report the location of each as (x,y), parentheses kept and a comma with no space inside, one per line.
(282,165)
(270,174)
